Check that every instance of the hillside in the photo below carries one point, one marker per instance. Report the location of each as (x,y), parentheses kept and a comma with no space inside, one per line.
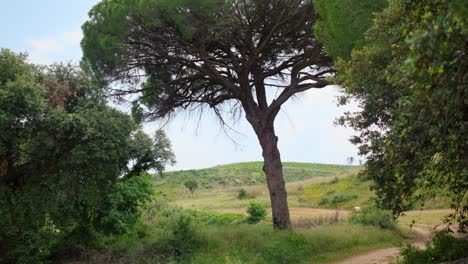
(249,173)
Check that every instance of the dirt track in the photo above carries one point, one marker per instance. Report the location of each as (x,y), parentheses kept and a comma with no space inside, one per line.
(386,255)
(419,236)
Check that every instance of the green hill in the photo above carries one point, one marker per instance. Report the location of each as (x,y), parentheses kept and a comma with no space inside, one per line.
(249,173)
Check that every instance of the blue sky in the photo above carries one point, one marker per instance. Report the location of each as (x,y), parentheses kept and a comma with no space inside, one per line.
(50,31)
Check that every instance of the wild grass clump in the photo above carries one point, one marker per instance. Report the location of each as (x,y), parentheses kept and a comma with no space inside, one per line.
(373,216)
(443,248)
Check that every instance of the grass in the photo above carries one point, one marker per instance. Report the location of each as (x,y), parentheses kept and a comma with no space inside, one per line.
(243,243)
(431,217)
(344,193)
(226,197)
(262,244)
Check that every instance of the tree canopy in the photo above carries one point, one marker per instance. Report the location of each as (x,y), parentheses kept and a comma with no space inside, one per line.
(342,24)
(230,56)
(410,78)
(63,155)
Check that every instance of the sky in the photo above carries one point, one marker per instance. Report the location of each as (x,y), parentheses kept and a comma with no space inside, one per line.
(50,31)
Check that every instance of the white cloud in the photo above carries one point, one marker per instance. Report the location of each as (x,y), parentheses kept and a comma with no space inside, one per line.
(61,47)
(45,45)
(72,37)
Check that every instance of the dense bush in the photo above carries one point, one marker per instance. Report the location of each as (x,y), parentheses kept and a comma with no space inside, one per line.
(373,216)
(341,198)
(69,163)
(183,239)
(443,248)
(335,200)
(123,206)
(256,213)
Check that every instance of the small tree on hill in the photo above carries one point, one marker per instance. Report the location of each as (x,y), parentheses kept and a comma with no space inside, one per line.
(192,185)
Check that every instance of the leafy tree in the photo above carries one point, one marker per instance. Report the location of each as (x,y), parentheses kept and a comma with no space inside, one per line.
(192,185)
(410,78)
(147,153)
(63,153)
(342,24)
(230,56)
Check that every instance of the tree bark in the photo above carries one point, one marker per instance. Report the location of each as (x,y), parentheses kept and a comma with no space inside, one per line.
(273,169)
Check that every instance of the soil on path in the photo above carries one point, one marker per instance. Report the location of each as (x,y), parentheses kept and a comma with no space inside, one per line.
(419,236)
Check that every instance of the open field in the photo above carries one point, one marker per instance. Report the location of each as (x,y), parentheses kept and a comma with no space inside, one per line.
(218,194)
(320,204)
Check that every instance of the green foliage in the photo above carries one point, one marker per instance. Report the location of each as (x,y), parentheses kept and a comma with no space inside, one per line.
(211,218)
(245,243)
(242,193)
(183,239)
(191,184)
(63,153)
(444,248)
(342,24)
(122,207)
(373,216)
(256,213)
(150,153)
(410,77)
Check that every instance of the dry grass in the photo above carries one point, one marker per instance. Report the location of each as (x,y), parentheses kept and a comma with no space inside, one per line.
(430,217)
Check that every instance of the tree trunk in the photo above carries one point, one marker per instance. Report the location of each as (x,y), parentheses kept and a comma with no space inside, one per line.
(275,180)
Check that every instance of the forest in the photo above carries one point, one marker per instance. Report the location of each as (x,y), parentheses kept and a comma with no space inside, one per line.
(82,180)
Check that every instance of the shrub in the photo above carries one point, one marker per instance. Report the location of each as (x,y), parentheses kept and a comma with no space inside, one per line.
(242,193)
(323,201)
(373,216)
(335,180)
(182,239)
(256,213)
(341,198)
(444,248)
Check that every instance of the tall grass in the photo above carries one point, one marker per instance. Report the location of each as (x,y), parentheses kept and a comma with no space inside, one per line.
(262,244)
(174,239)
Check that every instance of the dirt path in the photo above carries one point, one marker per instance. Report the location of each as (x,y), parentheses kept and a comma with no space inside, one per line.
(419,236)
